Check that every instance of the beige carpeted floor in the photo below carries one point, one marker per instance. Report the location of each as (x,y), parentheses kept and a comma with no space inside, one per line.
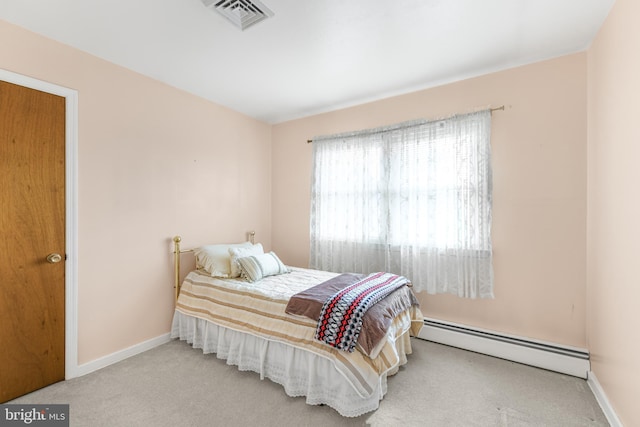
(175,385)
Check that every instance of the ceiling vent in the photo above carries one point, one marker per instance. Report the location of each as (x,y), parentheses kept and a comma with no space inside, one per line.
(241,13)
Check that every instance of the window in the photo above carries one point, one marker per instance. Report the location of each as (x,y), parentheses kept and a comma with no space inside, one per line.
(413,199)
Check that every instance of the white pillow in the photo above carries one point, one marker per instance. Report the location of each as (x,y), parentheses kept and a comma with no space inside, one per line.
(236,253)
(215,259)
(256,267)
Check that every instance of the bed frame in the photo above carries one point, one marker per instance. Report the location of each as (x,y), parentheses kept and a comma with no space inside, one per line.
(342,385)
(251,235)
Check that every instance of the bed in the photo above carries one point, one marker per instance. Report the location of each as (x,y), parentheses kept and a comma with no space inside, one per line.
(245,322)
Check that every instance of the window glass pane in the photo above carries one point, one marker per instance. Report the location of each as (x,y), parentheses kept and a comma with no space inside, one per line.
(351,194)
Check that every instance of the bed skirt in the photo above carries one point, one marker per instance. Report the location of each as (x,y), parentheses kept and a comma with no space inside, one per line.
(299,371)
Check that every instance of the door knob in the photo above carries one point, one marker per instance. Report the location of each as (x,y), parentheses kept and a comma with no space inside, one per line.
(54,258)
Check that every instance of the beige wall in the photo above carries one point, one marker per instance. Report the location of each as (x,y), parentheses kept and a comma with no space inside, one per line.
(614,209)
(153,162)
(539,215)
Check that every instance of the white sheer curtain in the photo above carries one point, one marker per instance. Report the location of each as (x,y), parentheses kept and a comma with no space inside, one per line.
(411,199)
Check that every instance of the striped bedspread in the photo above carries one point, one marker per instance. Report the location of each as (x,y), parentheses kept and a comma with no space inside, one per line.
(259,309)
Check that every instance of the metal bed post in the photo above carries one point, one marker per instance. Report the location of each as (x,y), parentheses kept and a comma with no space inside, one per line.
(176,265)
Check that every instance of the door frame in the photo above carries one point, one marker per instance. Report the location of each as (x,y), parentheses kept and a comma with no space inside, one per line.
(71,210)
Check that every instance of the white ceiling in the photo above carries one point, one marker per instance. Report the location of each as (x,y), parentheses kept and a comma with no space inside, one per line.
(314,56)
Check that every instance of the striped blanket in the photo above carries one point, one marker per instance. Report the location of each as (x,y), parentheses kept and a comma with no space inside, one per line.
(341,317)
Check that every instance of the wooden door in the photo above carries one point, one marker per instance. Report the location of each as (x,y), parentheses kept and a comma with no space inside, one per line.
(32,226)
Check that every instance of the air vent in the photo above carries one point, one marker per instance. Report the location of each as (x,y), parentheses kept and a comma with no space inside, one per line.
(241,13)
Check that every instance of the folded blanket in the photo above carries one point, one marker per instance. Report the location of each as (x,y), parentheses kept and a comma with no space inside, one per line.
(341,317)
(376,320)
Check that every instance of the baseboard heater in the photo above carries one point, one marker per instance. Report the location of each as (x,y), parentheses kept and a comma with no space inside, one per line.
(567,360)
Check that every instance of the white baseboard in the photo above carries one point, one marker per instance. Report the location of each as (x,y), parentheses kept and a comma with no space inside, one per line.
(603,401)
(567,360)
(118,356)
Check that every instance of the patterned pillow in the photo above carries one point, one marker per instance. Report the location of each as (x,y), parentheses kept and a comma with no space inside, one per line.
(256,267)
(237,253)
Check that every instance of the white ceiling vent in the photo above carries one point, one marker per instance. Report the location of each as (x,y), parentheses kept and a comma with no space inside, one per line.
(241,13)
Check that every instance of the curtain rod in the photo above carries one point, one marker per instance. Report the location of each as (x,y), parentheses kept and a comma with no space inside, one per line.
(309,141)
